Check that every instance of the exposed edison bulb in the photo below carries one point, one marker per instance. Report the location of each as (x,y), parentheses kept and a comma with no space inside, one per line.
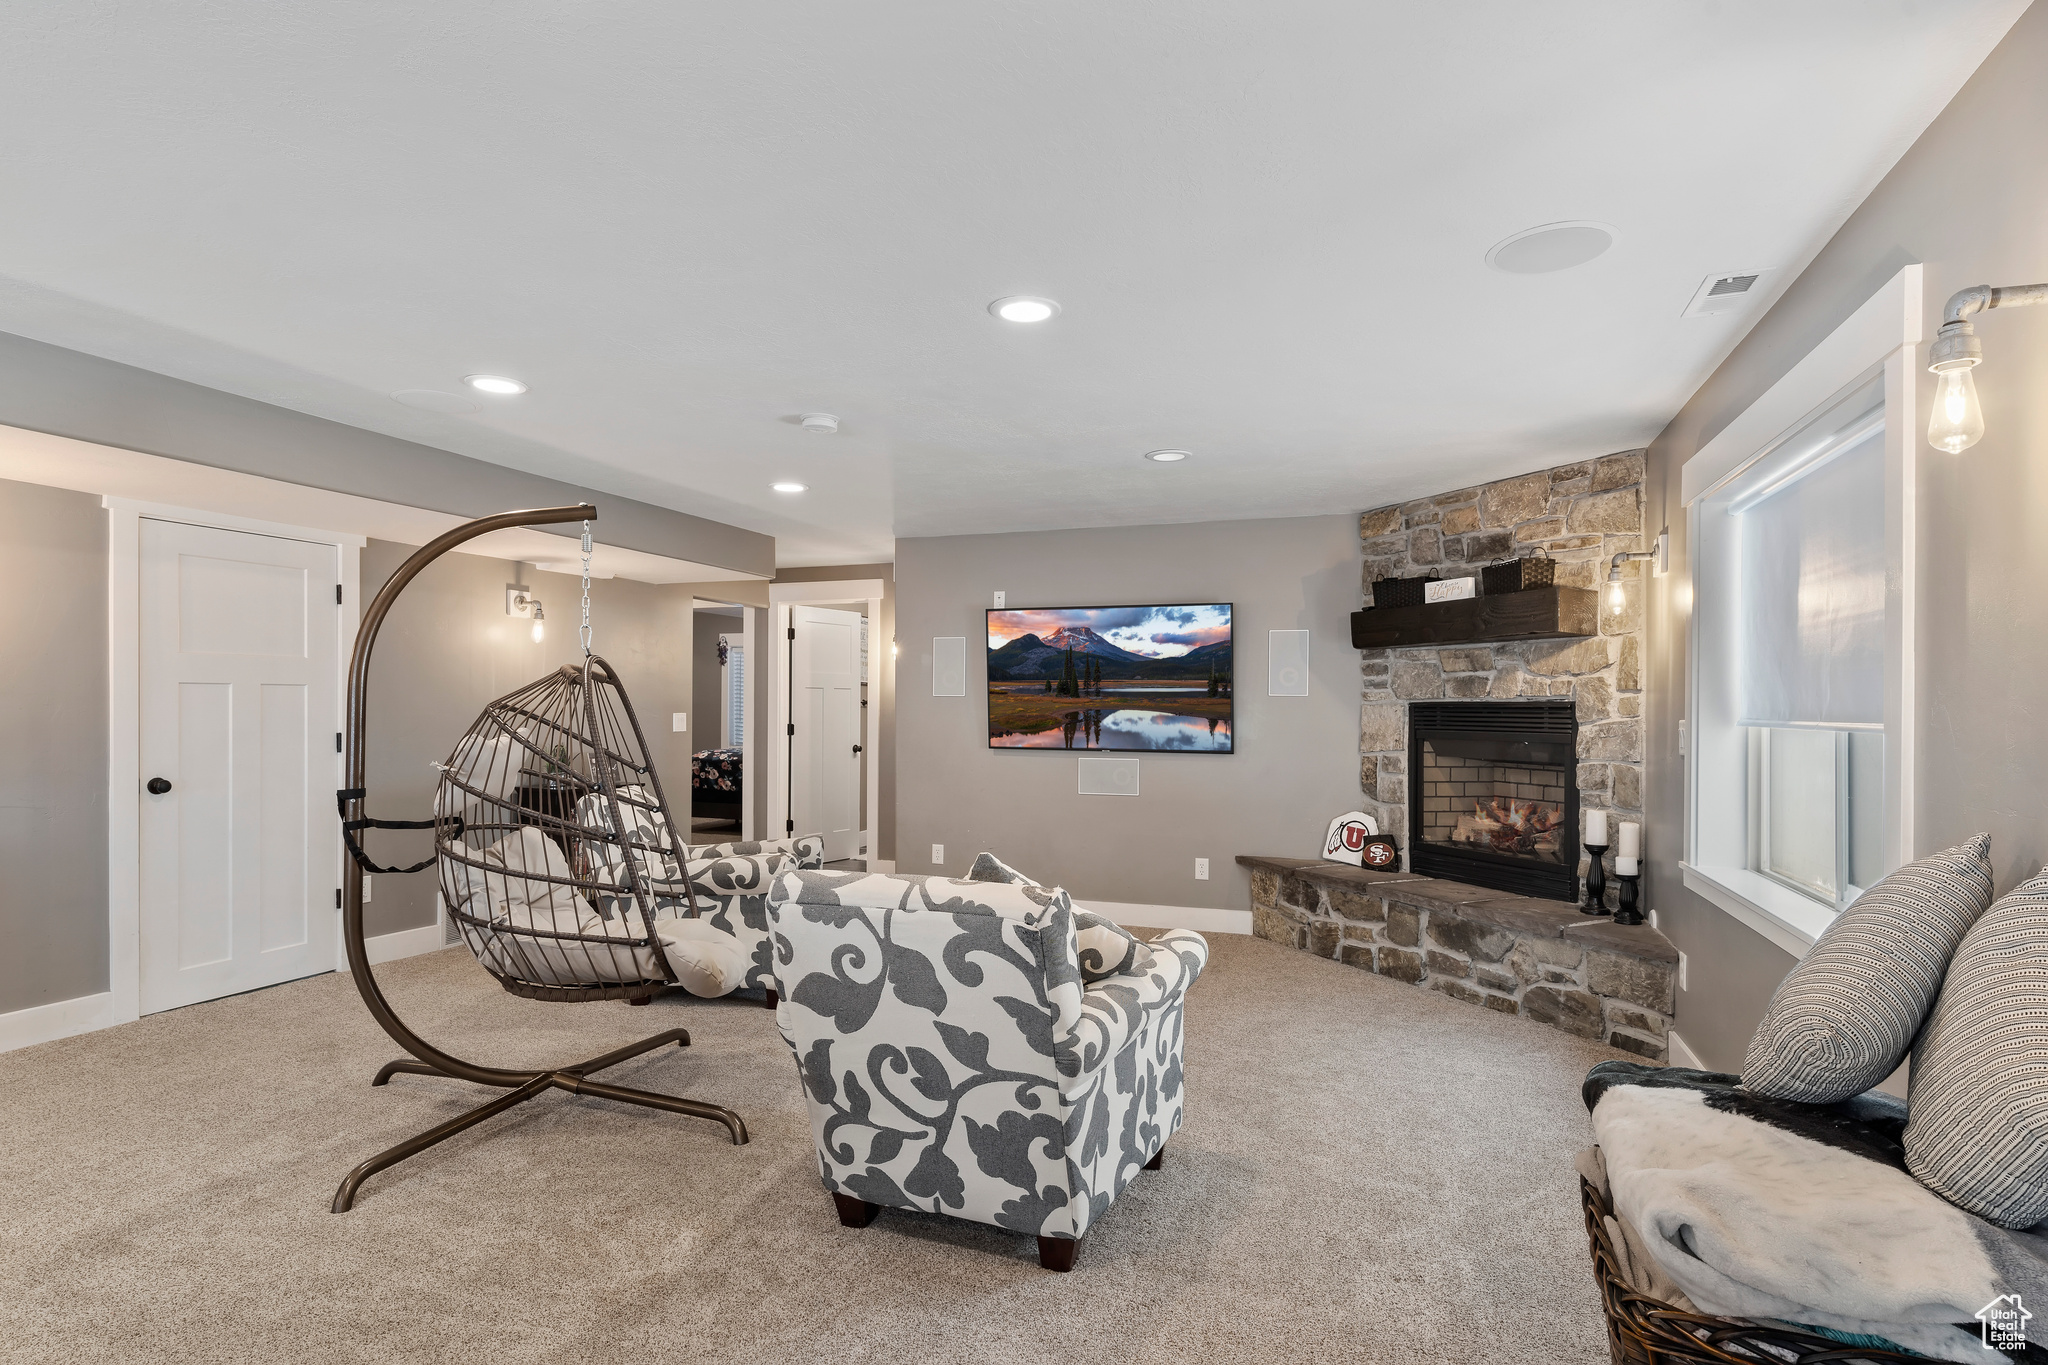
(1958,421)
(540,632)
(1616,597)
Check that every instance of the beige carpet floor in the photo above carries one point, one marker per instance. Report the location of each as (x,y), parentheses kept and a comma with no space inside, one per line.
(1368,1172)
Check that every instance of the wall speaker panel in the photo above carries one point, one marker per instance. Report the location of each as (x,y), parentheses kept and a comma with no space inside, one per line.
(1287,663)
(1109,777)
(949,666)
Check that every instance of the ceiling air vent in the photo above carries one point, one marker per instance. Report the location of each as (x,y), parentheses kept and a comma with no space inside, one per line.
(1726,293)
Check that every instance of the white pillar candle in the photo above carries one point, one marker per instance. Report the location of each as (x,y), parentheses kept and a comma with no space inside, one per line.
(1631,840)
(1596,827)
(1627,867)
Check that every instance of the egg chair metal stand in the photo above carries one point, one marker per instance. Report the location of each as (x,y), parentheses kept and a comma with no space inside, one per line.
(533,731)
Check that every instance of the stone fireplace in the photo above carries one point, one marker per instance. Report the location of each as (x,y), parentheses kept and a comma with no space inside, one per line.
(1481,761)
(1578,514)
(1493,796)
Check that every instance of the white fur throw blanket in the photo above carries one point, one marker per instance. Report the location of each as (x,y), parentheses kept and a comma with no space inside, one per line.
(1750,1219)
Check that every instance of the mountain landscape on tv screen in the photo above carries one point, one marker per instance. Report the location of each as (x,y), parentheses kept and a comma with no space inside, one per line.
(1157,678)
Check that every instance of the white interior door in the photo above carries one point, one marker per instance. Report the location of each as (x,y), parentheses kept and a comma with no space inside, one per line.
(239,856)
(824,709)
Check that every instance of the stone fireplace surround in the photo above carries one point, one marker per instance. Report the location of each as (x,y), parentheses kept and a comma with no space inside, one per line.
(1584,974)
(1514,954)
(1579,514)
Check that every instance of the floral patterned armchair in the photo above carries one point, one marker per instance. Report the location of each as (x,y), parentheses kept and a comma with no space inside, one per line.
(731,882)
(954,1061)
(725,948)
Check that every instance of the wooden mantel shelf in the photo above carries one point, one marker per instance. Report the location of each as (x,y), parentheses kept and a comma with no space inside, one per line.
(1538,614)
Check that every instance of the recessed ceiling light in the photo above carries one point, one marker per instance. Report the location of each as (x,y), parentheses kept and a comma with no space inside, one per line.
(1023,308)
(494,383)
(1553,246)
(789,486)
(1166,456)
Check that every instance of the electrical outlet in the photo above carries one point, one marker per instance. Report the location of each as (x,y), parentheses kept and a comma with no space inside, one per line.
(367,879)
(1681,739)
(1653,919)
(999,598)
(938,855)
(1681,973)
(680,720)
(1201,869)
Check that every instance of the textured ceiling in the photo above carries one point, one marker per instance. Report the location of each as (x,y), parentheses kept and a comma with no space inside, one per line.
(685,224)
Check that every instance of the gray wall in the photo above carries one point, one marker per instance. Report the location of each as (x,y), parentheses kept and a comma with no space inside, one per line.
(68,393)
(1296,763)
(1969,200)
(881,634)
(53,736)
(448,647)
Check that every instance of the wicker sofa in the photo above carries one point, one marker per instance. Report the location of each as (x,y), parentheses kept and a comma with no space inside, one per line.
(953,1061)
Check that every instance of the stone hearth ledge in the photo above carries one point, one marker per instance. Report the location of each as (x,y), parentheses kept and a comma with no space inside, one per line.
(1583,974)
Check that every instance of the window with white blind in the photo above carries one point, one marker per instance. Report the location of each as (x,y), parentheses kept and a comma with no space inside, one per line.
(1810,655)
(1797,741)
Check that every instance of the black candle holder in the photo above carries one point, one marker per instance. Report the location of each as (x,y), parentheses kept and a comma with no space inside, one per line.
(1596,883)
(1625,911)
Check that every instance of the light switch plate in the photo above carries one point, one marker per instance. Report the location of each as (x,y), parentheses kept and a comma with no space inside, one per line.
(367,880)
(1681,973)
(1201,869)
(680,720)
(999,598)
(938,855)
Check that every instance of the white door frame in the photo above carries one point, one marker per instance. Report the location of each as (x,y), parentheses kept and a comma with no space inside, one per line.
(781,597)
(124,713)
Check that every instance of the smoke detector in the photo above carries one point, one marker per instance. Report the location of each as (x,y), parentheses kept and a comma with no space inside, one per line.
(1726,293)
(820,423)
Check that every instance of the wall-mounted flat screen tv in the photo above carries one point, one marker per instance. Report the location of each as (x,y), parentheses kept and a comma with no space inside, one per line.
(1149,678)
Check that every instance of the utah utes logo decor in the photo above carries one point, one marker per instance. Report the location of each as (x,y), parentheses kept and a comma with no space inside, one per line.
(1349,835)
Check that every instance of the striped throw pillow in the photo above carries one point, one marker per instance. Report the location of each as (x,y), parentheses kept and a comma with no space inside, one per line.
(1977,1111)
(1844,1017)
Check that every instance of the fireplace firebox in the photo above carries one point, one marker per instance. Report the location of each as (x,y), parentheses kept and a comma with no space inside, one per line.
(1493,796)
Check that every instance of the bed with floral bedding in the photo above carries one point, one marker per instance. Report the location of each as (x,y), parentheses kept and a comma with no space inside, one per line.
(716,791)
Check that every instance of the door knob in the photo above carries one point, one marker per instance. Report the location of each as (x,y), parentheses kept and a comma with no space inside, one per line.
(158,786)
(856,748)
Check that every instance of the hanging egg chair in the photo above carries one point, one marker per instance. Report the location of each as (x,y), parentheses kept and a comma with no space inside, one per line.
(556,857)
(562,854)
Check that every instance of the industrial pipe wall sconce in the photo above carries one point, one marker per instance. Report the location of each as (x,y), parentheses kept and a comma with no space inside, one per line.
(1616,595)
(1957,420)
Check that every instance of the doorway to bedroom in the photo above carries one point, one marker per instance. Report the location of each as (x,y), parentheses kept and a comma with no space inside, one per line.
(719,683)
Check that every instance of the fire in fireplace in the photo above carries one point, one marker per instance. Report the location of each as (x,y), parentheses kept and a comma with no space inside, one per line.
(1493,796)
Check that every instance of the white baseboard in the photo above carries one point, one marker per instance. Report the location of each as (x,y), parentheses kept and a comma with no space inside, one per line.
(1200,918)
(404,943)
(61,1019)
(1678,1054)
(87,1013)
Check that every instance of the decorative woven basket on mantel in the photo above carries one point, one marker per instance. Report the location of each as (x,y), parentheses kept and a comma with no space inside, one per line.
(1646,1331)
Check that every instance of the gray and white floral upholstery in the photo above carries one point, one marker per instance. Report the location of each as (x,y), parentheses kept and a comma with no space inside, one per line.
(807,850)
(730,882)
(1104,948)
(951,1057)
